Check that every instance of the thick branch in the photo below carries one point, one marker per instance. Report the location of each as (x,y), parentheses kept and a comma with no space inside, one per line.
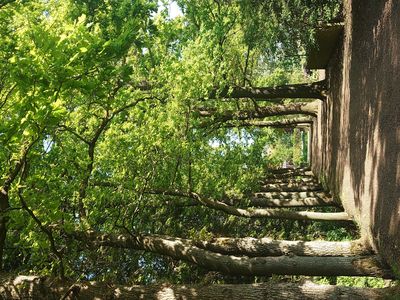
(302,202)
(304,90)
(292,179)
(308,108)
(289,171)
(238,246)
(292,176)
(272,213)
(35,287)
(258,212)
(291,187)
(291,199)
(261,199)
(274,174)
(268,247)
(314,90)
(292,195)
(283,123)
(257,266)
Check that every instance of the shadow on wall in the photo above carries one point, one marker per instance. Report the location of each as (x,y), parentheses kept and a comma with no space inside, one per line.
(373,127)
(374,131)
(359,136)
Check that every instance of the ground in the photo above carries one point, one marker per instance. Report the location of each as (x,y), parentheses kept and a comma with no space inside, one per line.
(356,146)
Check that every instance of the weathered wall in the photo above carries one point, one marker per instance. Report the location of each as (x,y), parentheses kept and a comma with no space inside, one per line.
(356,144)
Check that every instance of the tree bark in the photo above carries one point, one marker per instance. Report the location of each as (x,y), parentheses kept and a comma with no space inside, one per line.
(259,201)
(228,208)
(253,247)
(256,266)
(266,199)
(263,202)
(276,213)
(289,171)
(315,90)
(293,195)
(290,180)
(293,175)
(283,123)
(247,246)
(302,188)
(308,108)
(290,187)
(302,202)
(283,199)
(35,287)
(260,212)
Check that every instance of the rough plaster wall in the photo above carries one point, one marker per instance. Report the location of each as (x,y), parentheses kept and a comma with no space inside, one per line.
(356,142)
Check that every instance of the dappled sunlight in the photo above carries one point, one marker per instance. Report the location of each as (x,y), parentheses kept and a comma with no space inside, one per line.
(166,293)
(360,124)
(181,150)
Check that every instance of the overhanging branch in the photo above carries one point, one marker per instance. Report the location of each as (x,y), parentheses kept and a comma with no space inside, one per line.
(282,265)
(315,90)
(306,108)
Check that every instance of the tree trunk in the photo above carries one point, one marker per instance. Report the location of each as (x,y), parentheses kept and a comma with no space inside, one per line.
(308,108)
(247,246)
(284,187)
(260,212)
(280,213)
(304,90)
(267,247)
(256,266)
(262,202)
(266,199)
(293,195)
(290,171)
(289,174)
(302,202)
(294,175)
(292,184)
(290,180)
(298,189)
(276,123)
(34,287)
(254,212)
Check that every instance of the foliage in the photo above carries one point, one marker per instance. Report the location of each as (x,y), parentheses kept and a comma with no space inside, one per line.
(370,282)
(281,28)
(99,101)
